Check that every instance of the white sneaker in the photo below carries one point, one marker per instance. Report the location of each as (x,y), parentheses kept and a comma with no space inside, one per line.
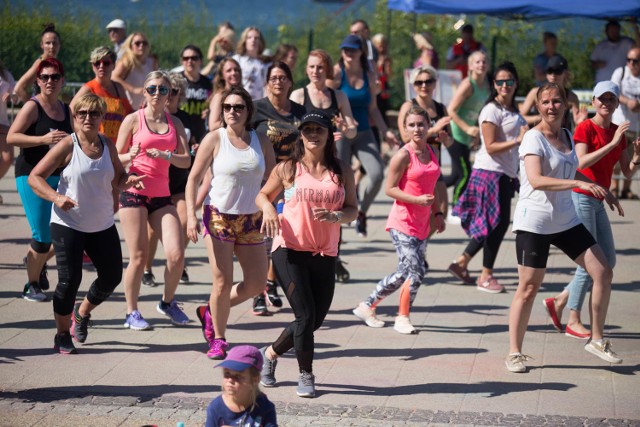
(368,315)
(515,362)
(603,350)
(404,326)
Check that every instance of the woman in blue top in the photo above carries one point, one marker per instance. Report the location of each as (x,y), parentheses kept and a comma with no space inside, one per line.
(353,76)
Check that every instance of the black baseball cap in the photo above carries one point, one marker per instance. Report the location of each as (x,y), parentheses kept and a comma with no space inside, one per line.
(557,63)
(317,117)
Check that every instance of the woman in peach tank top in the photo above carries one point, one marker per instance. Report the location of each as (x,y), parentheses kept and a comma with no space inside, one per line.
(319,196)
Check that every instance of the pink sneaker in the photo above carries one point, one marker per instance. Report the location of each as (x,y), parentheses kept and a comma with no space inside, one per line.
(490,285)
(204,315)
(217,349)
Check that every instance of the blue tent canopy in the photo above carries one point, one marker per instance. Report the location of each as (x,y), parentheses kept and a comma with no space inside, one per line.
(521,9)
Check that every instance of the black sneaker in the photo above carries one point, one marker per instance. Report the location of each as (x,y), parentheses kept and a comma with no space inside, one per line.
(342,274)
(43,280)
(185,276)
(361,224)
(63,343)
(148,279)
(79,325)
(272,294)
(260,306)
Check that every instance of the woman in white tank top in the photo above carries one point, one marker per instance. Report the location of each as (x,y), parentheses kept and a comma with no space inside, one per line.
(82,218)
(240,160)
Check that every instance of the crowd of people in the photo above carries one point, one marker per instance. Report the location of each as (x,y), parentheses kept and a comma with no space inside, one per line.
(276,172)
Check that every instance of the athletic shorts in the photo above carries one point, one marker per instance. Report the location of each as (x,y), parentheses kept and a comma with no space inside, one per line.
(532,249)
(152,204)
(37,209)
(241,229)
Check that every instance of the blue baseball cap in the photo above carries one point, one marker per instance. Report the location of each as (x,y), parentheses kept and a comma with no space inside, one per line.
(352,41)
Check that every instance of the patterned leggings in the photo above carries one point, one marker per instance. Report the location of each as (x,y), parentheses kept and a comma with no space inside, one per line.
(411,266)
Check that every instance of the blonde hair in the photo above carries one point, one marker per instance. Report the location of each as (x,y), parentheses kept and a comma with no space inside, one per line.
(129,59)
(422,69)
(242,49)
(473,56)
(100,52)
(90,102)
(179,82)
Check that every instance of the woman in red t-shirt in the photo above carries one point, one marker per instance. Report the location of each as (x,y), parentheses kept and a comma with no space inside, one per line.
(600,144)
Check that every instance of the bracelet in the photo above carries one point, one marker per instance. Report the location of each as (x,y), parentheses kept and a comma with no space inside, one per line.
(438,214)
(635,163)
(169,154)
(338,216)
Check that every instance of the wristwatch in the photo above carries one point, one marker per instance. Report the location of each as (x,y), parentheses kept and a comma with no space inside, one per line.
(338,215)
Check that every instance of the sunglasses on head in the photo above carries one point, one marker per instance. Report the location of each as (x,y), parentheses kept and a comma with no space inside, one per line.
(162,90)
(93,114)
(53,77)
(193,58)
(103,62)
(238,108)
(141,43)
(424,82)
(508,82)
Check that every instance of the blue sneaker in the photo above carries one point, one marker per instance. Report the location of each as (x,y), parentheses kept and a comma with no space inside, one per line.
(135,321)
(174,312)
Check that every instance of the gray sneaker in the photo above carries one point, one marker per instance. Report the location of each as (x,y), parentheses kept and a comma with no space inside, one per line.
(306,385)
(32,292)
(603,350)
(174,312)
(268,373)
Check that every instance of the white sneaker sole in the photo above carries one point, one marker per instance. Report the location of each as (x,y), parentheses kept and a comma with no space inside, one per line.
(372,323)
(405,331)
(515,369)
(601,355)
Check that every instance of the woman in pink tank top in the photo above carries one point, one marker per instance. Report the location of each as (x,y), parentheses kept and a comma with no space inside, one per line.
(319,195)
(411,180)
(149,141)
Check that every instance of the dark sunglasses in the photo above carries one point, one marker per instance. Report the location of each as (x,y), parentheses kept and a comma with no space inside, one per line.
(634,61)
(141,43)
(312,129)
(175,92)
(238,108)
(508,82)
(191,58)
(93,114)
(102,62)
(555,72)
(424,82)
(151,90)
(53,77)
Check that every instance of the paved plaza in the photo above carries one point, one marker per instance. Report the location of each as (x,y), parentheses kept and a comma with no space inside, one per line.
(451,373)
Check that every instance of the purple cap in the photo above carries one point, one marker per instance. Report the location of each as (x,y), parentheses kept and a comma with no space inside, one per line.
(242,357)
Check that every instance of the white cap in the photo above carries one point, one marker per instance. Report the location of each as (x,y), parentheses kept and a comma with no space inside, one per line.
(604,87)
(117,23)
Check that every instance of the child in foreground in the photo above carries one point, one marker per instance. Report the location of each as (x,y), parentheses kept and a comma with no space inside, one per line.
(241,402)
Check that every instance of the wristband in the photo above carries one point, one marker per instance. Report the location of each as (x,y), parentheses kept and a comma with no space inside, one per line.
(635,163)
(169,154)
(438,214)
(338,215)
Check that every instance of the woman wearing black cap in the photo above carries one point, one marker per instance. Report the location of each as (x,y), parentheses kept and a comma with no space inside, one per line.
(558,73)
(319,192)
(353,76)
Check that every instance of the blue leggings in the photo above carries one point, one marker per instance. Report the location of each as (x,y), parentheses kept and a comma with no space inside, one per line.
(37,209)
(411,266)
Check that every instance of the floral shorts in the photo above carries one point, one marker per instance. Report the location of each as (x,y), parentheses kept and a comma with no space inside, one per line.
(241,229)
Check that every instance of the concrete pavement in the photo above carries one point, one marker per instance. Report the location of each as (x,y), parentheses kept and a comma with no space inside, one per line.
(451,373)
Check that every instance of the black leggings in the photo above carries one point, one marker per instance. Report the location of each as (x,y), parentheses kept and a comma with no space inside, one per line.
(460,169)
(103,247)
(491,243)
(308,282)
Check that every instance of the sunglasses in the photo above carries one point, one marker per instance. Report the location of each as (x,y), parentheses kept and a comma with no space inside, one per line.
(633,61)
(151,90)
(175,92)
(276,79)
(555,72)
(53,77)
(93,114)
(191,58)
(141,43)
(102,62)
(424,82)
(508,82)
(238,108)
